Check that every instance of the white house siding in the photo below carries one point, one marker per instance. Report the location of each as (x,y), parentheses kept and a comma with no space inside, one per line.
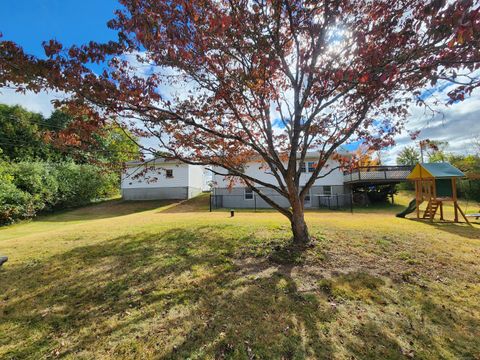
(196,176)
(140,194)
(153,184)
(260,172)
(234,196)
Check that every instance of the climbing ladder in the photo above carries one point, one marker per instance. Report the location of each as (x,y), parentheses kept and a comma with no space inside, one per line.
(432,208)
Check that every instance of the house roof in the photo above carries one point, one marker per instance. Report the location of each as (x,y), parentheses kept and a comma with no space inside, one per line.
(310,155)
(434,171)
(153,162)
(316,154)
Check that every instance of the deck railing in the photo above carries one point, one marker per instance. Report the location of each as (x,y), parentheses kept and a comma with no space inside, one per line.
(377,173)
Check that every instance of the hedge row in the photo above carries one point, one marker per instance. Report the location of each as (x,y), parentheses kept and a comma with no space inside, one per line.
(27,188)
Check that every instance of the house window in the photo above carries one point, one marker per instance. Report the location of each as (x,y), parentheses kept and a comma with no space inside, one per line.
(169,173)
(311,166)
(308,200)
(303,167)
(327,190)
(248,194)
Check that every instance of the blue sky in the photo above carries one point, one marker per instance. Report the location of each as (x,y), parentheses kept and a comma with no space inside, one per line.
(29,22)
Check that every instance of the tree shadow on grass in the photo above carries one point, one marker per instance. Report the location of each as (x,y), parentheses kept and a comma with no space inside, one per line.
(375,343)
(460,229)
(176,294)
(180,283)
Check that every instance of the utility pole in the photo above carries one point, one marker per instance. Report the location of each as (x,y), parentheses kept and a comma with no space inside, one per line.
(422,144)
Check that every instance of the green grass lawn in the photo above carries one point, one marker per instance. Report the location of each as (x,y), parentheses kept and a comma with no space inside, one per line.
(164,280)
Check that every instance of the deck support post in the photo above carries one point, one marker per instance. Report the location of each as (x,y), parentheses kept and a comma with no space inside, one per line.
(351,200)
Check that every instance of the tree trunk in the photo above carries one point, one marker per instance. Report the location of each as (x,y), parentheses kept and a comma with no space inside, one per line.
(299,228)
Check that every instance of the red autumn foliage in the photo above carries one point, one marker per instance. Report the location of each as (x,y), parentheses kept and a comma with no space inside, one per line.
(267,80)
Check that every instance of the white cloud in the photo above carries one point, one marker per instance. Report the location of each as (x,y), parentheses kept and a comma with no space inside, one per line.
(40,102)
(458,124)
(174,83)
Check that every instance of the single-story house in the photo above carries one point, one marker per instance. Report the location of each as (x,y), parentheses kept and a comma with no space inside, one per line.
(328,190)
(161,178)
(164,178)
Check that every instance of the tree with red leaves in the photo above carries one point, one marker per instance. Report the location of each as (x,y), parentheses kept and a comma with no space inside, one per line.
(263,79)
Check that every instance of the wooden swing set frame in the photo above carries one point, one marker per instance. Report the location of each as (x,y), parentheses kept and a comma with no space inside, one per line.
(426,190)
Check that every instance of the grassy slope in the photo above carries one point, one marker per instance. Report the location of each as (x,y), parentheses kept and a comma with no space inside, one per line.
(144,280)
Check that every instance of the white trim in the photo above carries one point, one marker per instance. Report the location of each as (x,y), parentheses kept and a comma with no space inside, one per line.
(149,164)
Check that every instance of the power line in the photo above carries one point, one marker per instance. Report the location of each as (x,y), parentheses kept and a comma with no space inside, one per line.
(56,127)
(47,124)
(44,122)
(52,126)
(74,151)
(21,142)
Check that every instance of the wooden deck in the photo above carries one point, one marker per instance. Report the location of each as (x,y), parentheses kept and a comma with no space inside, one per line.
(377,175)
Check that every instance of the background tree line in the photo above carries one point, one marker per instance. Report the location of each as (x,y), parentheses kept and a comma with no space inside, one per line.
(45,165)
(437,151)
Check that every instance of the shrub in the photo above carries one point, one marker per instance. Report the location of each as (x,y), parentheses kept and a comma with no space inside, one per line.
(27,188)
(80,184)
(407,185)
(37,179)
(14,203)
(470,189)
